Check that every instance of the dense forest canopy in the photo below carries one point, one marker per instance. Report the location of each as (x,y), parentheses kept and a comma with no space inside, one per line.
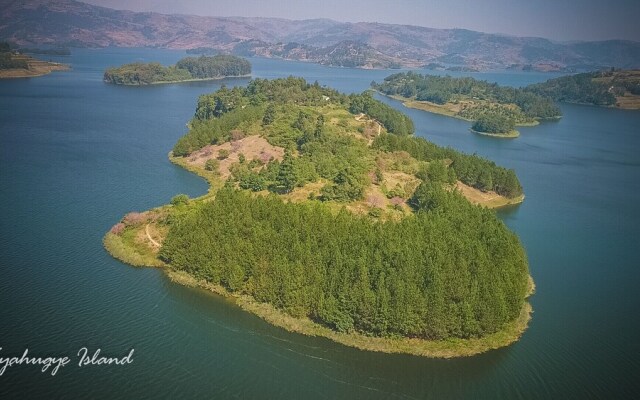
(599,88)
(452,270)
(220,65)
(186,69)
(488,96)
(448,269)
(497,124)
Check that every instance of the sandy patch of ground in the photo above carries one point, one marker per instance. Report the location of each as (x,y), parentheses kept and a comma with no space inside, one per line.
(628,102)
(251,146)
(488,199)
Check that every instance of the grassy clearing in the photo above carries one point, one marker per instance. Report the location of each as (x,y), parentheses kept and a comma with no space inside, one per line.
(129,250)
(486,199)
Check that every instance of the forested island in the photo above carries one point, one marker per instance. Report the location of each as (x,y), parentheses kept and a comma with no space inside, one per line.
(326,216)
(14,64)
(494,109)
(185,70)
(610,88)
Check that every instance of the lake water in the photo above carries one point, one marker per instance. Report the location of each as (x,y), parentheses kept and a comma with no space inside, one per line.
(76,154)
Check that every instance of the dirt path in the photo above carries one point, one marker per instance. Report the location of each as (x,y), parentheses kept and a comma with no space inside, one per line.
(359,118)
(146,230)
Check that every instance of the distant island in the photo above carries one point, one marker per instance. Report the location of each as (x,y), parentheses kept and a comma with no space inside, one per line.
(53,51)
(494,109)
(326,216)
(14,64)
(610,88)
(203,51)
(186,70)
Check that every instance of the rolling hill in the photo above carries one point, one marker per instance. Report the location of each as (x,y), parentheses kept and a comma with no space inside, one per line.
(363,44)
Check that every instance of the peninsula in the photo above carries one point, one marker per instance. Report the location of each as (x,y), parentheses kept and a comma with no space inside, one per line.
(14,64)
(186,70)
(609,88)
(495,110)
(327,217)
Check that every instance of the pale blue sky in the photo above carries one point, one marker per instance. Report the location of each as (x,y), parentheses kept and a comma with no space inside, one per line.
(553,19)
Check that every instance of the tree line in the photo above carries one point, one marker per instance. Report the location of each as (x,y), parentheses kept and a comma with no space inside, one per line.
(472,170)
(188,68)
(452,270)
(581,88)
(442,89)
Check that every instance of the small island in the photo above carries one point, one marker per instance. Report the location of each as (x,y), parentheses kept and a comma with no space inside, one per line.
(327,217)
(496,126)
(609,88)
(14,64)
(188,69)
(495,110)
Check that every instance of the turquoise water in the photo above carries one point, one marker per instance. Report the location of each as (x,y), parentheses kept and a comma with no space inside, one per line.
(77,154)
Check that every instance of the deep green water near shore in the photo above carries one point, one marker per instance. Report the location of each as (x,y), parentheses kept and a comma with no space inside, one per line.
(76,154)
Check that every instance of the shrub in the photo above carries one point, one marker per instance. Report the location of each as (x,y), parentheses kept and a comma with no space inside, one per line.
(180,199)
(212,165)
(223,154)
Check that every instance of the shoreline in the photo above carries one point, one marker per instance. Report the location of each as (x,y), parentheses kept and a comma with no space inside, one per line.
(142,254)
(441,110)
(444,349)
(509,135)
(35,67)
(217,78)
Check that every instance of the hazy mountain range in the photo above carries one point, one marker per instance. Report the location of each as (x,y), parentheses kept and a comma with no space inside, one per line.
(365,45)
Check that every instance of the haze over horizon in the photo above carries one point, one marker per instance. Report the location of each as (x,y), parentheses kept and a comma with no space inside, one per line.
(560,20)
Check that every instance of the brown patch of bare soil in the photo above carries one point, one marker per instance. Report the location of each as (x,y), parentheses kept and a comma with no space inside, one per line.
(251,146)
